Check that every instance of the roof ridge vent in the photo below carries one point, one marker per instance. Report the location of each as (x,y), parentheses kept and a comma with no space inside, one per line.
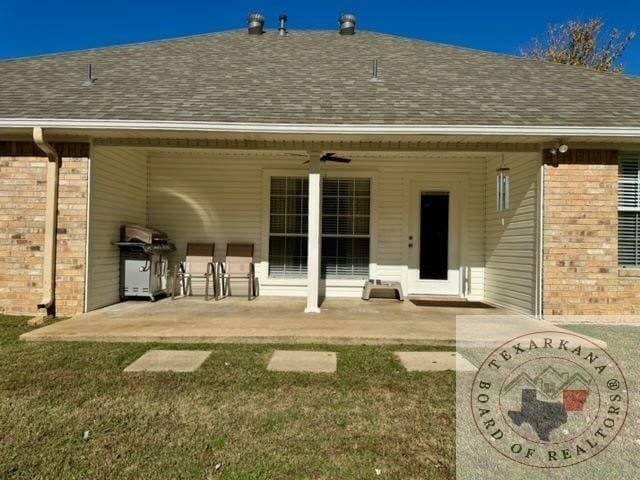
(255,23)
(347,23)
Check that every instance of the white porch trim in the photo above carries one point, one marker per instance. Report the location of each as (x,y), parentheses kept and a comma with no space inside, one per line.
(314,238)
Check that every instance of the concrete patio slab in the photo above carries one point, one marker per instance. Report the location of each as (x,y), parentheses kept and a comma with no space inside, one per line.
(303,361)
(434,361)
(169,361)
(281,320)
(493,330)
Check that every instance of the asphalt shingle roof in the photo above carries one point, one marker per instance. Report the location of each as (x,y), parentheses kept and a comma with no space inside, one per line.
(314,77)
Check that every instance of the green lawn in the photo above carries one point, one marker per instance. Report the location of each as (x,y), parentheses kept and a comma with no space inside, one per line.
(258,424)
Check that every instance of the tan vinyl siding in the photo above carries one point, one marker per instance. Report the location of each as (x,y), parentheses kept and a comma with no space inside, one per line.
(118,196)
(510,274)
(196,197)
(392,213)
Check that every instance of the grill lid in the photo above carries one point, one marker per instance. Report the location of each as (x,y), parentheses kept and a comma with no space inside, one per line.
(138,233)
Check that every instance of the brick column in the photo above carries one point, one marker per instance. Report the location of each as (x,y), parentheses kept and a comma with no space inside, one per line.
(22,207)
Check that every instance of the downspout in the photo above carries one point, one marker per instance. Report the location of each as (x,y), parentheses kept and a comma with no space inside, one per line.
(539,307)
(50,223)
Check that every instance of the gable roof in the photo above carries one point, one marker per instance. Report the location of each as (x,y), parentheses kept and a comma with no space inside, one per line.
(314,77)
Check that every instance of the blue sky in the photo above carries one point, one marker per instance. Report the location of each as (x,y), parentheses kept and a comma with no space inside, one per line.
(40,27)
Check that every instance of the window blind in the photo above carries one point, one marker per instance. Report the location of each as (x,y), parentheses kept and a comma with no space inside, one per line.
(346,205)
(288,227)
(629,211)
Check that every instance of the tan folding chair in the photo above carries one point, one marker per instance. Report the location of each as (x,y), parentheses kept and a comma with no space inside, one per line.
(238,265)
(197,264)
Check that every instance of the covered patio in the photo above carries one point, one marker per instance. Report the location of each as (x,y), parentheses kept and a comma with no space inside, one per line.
(280,320)
(321,229)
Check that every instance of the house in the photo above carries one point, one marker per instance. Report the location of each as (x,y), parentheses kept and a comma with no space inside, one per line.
(472,174)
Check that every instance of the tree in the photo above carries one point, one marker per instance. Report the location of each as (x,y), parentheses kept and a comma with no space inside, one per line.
(583,43)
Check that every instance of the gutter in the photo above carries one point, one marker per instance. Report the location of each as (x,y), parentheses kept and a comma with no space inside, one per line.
(346,129)
(50,223)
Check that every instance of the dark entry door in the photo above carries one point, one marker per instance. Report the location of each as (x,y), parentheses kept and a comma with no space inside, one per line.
(434,236)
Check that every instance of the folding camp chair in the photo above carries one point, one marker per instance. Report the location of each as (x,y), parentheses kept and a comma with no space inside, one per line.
(238,265)
(197,264)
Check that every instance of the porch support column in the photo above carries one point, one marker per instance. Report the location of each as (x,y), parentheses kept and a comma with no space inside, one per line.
(314,239)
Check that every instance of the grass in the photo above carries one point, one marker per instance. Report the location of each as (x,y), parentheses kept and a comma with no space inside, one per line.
(370,415)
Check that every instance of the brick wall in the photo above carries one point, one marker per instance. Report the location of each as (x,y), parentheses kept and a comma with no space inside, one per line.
(22,210)
(581,274)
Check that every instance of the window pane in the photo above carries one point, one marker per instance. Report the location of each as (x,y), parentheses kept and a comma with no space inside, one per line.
(287,257)
(296,224)
(295,186)
(345,187)
(628,239)
(345,225)
(363,187)
(330,187)
(278,185)
(278,204)
(288,221)
(277,224)
(345,206)
(345,257)
(329,206)
(296,205)
(362,205)
(361,226)
(329,224)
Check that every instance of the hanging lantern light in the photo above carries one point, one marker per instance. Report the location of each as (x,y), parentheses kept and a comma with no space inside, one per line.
(503,180)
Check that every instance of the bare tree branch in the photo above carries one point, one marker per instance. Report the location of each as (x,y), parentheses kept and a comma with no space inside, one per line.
(582,43)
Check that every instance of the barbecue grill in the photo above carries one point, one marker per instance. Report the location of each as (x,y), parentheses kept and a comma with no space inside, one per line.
(144,266)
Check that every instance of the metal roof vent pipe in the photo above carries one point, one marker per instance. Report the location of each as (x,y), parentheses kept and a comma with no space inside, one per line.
(282,29)
(347,24)
(375,78)
(255,24)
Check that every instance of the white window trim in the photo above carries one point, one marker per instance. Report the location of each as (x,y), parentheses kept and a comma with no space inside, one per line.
(263,276)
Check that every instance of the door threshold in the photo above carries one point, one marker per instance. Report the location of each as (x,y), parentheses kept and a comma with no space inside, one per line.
(436,298)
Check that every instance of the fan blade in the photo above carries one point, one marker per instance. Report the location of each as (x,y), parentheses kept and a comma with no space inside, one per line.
(329,157)
(291,154)
(338,160)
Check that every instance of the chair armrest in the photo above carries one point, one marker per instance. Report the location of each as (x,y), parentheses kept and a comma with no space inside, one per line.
(222,269)
(211,268)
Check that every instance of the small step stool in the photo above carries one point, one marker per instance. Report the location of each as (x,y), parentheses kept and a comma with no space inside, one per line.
(392,287)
